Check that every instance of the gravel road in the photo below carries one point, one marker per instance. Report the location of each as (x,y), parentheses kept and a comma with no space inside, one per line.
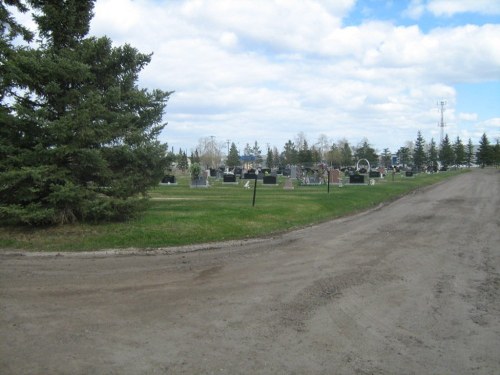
(412,287)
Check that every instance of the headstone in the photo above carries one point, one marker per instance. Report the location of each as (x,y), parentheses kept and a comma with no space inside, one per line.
(269,180)
(293,172)
(374,174)
(409,174)
(288,184)
(356,179)
(249,176)
(168,179)
(335,176)
(200,182)
(229,178)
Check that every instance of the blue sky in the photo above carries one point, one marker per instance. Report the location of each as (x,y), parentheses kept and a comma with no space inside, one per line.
(327,70)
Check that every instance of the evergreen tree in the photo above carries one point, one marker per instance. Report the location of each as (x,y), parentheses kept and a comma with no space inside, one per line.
(419,156)
(82,137)
(305,154)
(182,161)
(277,161)
(233,159)
(269,158)
(469,153)
(496,154)
(386,158)
(346,154)
(446,154)
(484,153)
(257,153)
(459,151)
(433,154)
(365,151)
(404,156)
(290,153)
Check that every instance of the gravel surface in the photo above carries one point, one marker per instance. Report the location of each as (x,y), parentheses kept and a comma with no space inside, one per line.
(410,288)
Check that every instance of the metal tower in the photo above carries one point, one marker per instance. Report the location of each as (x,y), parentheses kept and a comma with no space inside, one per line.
(441,104)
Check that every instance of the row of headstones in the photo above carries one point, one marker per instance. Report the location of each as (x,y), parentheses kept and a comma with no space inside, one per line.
(334,175)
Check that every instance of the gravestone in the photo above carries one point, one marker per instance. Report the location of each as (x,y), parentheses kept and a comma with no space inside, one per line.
(269,180)
(374,174)
(356,179)
(249,176)
(169,179)
(409,174)
(229,178)
(293,172)
(200,182)
(313,180)
(335,176)
(288,184)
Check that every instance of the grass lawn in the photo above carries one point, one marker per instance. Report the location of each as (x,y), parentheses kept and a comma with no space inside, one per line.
(180,215)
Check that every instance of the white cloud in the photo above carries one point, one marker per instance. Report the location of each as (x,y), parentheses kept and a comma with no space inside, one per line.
(451,7)
(265,70)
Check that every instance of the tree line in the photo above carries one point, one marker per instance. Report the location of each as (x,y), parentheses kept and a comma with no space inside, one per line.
(416,154)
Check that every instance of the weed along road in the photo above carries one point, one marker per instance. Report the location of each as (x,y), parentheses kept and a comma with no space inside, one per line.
(412,287)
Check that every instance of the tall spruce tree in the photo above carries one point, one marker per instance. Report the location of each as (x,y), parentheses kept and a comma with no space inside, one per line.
(233,159)
(83,144)
(433,154)
(459,151)
(469,153)
(419,156)
(484,153)
(446,154)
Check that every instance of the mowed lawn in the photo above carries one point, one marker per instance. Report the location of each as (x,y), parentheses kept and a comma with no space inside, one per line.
(180,215)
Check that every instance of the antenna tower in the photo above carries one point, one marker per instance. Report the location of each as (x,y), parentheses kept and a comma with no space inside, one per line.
(441,105)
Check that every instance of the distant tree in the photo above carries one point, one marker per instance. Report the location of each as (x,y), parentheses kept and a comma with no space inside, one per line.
(404,156)
(433,154)
(419,156)
(446,154)
(195,157)
(269,158)
(386,158)
(305,154)
(233,159)
(323,146)
(469,153)
(334,156)
(459,151)
(365,151)
(79,139)
(484,154)
(211,152)
(290,153)
(182,161)
(496,153)
(316,155)
(277,160)
(346,153)
(257,153)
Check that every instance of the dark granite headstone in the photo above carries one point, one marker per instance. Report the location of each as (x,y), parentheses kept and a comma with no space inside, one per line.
(269,180)
(229,178)
(356,179)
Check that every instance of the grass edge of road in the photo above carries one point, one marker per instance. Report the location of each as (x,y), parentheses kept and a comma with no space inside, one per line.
(179,216)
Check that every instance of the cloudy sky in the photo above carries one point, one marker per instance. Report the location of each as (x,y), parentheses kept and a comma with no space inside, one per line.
(265,70)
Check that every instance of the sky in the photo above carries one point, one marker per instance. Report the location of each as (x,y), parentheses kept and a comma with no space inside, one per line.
(267,70)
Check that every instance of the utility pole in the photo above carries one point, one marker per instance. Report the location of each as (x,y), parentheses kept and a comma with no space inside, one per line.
(441,105)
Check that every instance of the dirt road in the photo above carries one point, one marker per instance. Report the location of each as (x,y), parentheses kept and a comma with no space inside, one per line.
(409,288)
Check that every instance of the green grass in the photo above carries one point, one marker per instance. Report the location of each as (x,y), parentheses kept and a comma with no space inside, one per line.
(180,215)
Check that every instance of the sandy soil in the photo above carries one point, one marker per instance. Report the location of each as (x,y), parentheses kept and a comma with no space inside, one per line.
(410,288)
